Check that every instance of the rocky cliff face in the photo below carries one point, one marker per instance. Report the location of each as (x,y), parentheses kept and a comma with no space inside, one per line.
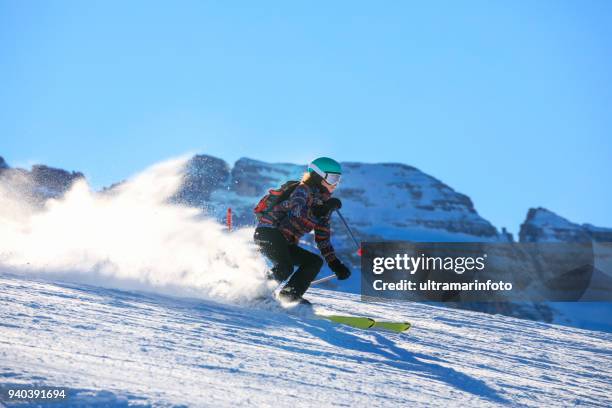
(400,197)
(203,175)
(39,184)
(542,225)
(52,181)
(390,198)
(598,234)
(252,178)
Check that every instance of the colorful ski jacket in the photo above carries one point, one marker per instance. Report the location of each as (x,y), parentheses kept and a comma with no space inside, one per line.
(294,218)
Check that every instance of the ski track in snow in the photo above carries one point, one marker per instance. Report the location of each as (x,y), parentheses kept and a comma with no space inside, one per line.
(112,347)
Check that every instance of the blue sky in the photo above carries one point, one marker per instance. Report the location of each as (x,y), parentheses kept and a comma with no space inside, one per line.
(509,102)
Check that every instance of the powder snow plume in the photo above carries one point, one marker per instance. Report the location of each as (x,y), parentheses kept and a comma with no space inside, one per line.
(132,238)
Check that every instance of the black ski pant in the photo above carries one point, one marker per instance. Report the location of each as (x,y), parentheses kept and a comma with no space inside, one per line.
(285,257)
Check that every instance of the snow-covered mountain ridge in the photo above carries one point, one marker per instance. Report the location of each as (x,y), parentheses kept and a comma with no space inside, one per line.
(37,184)
(391,197)
(543,225)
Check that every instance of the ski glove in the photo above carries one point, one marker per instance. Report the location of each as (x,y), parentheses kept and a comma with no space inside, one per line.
(327,207)
(341,271)
(333,204)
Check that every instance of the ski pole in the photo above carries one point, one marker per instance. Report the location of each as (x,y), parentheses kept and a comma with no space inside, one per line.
(325,279)
(330,277)
(350,232)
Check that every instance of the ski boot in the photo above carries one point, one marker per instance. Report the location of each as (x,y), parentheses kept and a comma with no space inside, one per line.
(288,296)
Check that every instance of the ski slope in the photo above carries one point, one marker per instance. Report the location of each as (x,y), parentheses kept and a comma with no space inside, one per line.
(120,347)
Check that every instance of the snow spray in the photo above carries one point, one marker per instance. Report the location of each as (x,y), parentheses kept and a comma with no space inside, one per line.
(130,237)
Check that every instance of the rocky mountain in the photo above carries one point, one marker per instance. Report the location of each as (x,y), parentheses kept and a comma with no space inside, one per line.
(38,184)
(393,200)
(389,199)
(542,225)
(203,175)
(3,165)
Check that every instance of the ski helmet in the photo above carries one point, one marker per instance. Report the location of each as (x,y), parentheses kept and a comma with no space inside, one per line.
(329,169)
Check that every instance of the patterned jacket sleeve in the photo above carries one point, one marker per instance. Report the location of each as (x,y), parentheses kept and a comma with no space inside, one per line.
(323,240)
(297,204)
(297,208)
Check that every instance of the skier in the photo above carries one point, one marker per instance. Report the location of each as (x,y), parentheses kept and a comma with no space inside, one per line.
(282,222)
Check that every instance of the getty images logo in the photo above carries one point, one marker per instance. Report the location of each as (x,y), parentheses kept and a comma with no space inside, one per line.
(412,264)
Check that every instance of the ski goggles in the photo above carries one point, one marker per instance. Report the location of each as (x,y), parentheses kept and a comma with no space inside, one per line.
(330,178)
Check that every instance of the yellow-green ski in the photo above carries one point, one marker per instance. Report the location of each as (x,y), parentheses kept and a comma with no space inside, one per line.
(367,323)
(392,326)
(353,321)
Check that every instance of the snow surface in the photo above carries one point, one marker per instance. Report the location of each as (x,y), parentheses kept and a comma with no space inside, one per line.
(116,347)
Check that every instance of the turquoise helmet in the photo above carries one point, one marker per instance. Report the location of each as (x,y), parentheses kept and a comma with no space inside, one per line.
(329,169)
